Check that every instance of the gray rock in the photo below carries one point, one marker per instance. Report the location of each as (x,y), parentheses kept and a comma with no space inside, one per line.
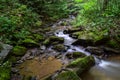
(5,50)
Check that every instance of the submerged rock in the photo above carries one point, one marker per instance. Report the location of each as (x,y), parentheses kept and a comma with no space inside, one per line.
(18,51)
(68,75)
(81,64)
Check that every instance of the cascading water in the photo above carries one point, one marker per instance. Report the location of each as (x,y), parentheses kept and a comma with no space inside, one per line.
(103,70)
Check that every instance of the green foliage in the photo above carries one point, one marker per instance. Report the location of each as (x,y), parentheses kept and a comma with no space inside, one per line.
(16,20)
(19,51)
(52,8)
(5,69)
(68,75)
(96,15)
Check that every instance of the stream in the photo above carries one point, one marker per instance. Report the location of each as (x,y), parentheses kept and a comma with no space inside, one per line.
(44,65)
(103,70)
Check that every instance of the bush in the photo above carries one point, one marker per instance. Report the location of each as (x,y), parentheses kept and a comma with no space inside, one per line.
(16,23)
(51,8)
(97,15)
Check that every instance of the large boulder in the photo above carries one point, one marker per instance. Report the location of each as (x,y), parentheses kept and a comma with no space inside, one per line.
(52,40)
(4,50)
(87,38)
(68,75)
(82,64)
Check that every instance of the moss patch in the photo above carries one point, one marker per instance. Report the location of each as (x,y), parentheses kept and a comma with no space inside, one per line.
(59,47)
(78,54)
(30,43)
(19,51)
(68,75)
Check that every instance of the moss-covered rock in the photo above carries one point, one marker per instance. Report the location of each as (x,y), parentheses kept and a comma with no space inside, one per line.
(59,47)
(78,54)
(75,55)
(53,40)
(82,64)
(90,38)
(5,70)
(68,75)
(18,51)
(30,43)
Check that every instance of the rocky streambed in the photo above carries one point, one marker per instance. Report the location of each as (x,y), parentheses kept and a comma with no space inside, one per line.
(65,53)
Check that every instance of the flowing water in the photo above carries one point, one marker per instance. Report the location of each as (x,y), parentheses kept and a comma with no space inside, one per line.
(103,70)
